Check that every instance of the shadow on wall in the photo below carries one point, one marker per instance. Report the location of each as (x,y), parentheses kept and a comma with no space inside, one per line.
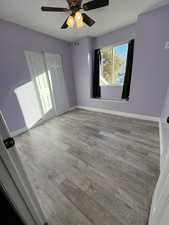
(11,113)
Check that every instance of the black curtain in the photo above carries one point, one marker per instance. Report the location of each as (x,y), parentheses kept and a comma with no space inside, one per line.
(96,90)
(127,80)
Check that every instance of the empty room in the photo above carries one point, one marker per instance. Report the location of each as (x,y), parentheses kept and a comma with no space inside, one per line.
(84,112)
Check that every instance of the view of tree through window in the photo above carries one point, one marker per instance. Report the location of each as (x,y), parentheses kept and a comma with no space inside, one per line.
(113,65)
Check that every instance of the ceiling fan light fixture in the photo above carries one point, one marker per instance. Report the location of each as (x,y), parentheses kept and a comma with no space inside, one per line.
(79,20)
(70,21)
(79,23)
(78,16)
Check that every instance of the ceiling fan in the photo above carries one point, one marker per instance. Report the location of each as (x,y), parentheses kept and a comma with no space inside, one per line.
(76,17)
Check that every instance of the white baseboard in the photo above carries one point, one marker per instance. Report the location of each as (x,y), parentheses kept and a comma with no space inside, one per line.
(130,115)
(17,132)
(24,129)
(70,109)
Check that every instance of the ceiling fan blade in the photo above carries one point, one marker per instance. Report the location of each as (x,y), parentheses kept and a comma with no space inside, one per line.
(65,26)
(53,9)
(95,4)
(89,21)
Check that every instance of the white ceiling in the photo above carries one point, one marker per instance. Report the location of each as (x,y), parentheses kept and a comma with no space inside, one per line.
(118,14)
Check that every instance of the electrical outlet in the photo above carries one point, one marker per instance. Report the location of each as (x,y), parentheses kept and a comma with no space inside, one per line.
(167,45)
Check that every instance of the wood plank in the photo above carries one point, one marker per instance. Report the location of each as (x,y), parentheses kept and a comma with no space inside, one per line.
(92,210)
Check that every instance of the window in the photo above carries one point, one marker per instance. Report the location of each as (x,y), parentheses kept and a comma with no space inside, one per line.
(113,65)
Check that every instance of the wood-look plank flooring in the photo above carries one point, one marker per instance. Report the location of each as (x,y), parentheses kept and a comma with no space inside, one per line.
(91,168)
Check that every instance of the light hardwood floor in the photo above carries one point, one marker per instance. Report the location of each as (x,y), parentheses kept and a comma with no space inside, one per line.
(91,168)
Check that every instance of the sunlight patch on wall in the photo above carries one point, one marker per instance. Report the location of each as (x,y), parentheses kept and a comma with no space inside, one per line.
(44,92)
(27,99)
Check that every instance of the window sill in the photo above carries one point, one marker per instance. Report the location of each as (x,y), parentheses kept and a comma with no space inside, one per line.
(111,100)
(111,85)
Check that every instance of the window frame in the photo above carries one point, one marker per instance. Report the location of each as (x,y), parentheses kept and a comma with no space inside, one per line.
(113,46)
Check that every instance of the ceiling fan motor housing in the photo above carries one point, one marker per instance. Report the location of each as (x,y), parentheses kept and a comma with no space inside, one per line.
(74,5)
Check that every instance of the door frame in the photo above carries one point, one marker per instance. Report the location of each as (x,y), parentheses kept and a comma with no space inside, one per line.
(159,214)
(14,178)
(13,194)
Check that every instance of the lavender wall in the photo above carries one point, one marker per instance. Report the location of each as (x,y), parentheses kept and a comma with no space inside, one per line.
(14,39)
(82,69)
(150,71)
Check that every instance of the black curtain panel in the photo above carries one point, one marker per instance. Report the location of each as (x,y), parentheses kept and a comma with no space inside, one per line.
(96,90)
(127,80)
